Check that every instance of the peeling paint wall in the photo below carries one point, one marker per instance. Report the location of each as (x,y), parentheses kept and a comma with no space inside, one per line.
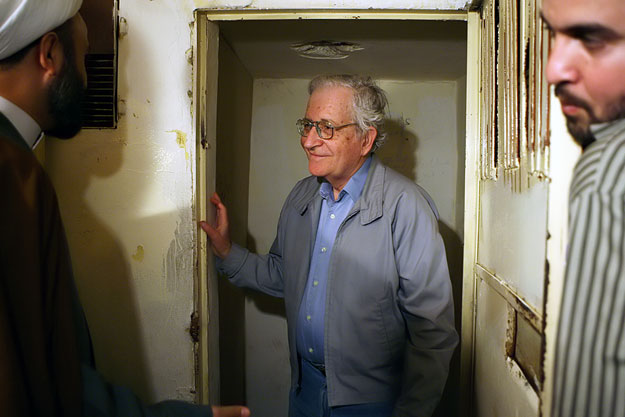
(127,199)
(511,248)
(502,389)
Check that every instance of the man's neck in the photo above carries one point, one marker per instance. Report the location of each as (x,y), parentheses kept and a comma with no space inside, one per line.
(337,190)
(601,131)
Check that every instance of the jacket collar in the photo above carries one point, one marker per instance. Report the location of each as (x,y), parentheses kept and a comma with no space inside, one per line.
(371,200)
(302,201)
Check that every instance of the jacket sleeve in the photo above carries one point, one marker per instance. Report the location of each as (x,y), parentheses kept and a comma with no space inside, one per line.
(102,399)
(258,272)
(425,301)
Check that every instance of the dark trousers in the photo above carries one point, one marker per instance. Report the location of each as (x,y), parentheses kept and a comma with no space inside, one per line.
(311,399)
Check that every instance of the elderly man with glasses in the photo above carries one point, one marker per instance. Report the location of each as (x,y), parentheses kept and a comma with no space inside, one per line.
(361,266)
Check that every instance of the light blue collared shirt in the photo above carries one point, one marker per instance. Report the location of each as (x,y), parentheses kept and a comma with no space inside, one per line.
(311,320)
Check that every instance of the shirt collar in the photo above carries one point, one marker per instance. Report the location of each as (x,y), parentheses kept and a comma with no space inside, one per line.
(605,131)
(354,186)
(23,123)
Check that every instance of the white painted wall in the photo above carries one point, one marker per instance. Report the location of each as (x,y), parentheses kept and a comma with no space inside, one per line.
(277,162)
(127,199)
(512,239)
(423,144)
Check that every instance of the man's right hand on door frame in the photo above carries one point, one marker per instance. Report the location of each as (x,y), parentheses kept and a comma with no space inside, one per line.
(218,233)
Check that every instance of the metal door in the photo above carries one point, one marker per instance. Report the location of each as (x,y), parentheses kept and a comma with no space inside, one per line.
(507,207)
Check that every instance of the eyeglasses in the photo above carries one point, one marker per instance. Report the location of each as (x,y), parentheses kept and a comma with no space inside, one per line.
(325,129)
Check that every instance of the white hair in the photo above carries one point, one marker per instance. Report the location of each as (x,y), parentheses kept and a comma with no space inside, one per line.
(368,105)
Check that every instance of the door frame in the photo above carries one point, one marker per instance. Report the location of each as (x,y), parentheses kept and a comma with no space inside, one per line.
(205,44)
(471,211)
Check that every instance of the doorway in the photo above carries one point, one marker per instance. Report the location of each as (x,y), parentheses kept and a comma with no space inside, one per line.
(256,87)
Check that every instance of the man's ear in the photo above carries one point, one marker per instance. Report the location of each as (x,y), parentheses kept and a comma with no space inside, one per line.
(368,139)
(51,57)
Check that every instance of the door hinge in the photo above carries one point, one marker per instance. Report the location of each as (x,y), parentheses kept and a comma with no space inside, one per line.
(194,328)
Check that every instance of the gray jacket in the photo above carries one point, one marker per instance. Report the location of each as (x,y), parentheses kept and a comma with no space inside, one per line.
(389,327)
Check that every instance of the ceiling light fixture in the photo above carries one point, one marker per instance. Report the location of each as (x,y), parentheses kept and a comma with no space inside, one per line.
(325,49)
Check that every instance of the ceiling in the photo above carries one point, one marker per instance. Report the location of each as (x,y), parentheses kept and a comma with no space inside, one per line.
(397,49)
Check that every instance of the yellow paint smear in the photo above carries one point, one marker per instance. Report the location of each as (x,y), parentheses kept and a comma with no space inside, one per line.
(181,140)
(139,254)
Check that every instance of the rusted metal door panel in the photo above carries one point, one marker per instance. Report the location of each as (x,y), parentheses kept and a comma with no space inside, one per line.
(509,268)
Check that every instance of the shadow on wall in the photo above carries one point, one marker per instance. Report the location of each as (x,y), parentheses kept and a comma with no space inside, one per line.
(265,303)
(232,342)
(449,405)
(101,269)
(400,149)
(102,275)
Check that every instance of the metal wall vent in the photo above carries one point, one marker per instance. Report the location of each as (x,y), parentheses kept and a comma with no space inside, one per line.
(325,49)
(99,106)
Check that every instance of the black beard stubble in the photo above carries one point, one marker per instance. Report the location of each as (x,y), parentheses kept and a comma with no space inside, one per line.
(580,130)
(65,100)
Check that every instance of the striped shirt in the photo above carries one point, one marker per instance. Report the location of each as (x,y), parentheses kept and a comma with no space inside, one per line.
(589,376)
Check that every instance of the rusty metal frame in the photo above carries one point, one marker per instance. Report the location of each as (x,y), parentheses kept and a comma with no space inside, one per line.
(515,135)
(536,42)
(511,296)
(488,96)
(508,88)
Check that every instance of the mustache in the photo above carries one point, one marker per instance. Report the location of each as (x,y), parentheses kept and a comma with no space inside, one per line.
(565,96)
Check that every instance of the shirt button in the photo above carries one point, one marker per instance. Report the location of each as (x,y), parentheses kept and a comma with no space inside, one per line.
(324,249)
(308,317)
(310,350)
(332,216)
(315,283)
